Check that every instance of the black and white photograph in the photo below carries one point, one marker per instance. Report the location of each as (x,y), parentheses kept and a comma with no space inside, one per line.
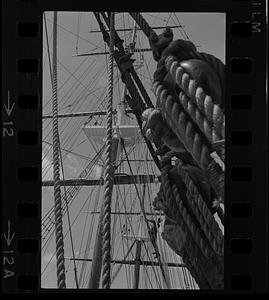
(133,150)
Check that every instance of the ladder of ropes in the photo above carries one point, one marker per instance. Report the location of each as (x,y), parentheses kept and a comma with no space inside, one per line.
(198,122)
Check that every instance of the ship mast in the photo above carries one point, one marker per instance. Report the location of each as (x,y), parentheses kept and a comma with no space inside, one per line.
(96,268)
(138,256)
(97,254)
(94,280)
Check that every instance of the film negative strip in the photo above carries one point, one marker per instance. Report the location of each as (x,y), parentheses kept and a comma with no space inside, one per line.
(36,130)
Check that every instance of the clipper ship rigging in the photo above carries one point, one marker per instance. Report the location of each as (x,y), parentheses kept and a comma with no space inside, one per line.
(140,257)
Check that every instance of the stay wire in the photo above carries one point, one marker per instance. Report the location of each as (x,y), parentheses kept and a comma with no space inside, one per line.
(68,215)
(47,41)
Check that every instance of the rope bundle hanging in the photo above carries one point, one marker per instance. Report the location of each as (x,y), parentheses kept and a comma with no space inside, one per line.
(207,263)
(203,215)
(108,185)
(185,50)
(56,170)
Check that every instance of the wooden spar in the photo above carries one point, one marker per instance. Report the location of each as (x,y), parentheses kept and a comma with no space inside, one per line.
(95,274)
(83,114)
(130,29)
(139,239)
(105,53)
(132,262)
(125,213)
(137,263)
(118,179)
(116,272)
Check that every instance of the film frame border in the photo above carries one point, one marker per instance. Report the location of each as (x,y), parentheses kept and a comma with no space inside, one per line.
(245,220)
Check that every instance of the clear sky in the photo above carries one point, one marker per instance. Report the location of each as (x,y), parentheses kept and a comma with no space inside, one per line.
(81,84)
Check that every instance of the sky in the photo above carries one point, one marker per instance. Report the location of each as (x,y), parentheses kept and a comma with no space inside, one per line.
(81,84)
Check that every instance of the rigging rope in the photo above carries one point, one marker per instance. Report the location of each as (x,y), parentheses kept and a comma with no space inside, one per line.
(68,216)
(106,280)
(78,26)
(56,171)
(47,41)
(124,258)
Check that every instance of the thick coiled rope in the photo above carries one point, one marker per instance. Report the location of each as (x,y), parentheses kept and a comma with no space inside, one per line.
(193,268)
(108,186)
(207,127)
(173,196)
(206,114)
(56,169)
(209,262)
(193,140)
(199,250)
(186,249)
(215,63)
(202,213)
